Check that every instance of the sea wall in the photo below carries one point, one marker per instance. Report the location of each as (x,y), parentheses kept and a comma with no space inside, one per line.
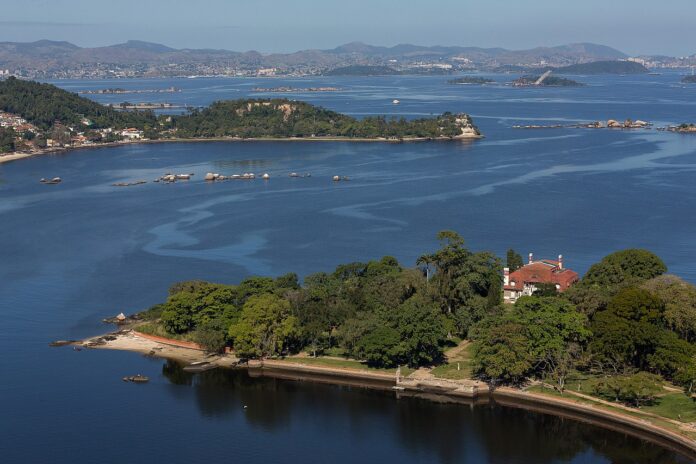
(470,393)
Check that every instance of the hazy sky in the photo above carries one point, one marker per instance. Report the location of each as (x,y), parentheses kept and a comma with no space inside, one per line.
(636,26)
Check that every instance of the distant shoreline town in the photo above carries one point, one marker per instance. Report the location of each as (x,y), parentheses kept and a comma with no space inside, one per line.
(47,59)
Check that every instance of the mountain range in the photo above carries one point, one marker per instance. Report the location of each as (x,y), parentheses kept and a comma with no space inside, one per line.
(135,51)
(46,58)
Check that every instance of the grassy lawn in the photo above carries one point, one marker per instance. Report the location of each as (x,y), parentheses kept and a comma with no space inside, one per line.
(456,370)
(675,406)
(458,365)
(343,364)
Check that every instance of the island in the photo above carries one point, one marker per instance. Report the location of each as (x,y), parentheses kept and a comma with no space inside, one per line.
(471,80)
(294,89)
(689,79)
(44,117)
(618,343)
(545,81)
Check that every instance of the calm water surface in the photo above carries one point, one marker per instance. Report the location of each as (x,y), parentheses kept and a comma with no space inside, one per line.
(83,250)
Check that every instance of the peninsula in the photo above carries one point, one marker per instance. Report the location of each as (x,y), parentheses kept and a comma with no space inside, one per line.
(38,117)
(618,343)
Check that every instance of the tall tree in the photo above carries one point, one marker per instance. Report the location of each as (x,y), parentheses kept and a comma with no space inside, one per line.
(513,260)
(265,327)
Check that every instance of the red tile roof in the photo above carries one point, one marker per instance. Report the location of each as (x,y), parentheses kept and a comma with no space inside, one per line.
(543,271)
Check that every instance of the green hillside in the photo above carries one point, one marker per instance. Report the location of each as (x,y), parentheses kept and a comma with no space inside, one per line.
(44,104)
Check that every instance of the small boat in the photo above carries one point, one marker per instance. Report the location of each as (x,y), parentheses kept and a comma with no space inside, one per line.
(200,366)
(395,101)
(136,379)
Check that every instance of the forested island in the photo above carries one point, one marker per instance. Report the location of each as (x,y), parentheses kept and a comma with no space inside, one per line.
(43,115)
(625,330)
(550,81)
(473,80)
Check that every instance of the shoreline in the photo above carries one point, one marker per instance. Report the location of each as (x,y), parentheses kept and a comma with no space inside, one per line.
(15,156)
(432,389)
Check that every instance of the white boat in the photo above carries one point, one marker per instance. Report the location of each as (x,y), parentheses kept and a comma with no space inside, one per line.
(395,101)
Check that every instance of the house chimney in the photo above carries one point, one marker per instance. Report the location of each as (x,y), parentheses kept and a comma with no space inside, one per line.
(506,276)
(531,258)
(560,261)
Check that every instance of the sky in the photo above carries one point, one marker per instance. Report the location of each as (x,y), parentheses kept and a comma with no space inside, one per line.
(635,27)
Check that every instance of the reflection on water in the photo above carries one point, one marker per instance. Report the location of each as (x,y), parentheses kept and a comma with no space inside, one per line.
(458,431)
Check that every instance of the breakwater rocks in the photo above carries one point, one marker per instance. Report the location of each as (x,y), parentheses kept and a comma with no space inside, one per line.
(682,129)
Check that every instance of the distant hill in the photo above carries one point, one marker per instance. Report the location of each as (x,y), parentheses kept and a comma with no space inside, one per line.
(604,67)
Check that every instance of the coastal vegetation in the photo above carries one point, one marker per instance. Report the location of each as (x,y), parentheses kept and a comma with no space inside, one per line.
(378,312)
(45,104)
(625,323)
(626,329)
(281,118)
(66,119)
(689,79)
(7,139)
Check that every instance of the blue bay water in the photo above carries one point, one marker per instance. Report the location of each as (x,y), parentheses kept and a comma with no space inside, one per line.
(83,250)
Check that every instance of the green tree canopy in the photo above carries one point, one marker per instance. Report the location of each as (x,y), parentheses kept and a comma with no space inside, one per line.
(679,298)
(627,266)
(265,327)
